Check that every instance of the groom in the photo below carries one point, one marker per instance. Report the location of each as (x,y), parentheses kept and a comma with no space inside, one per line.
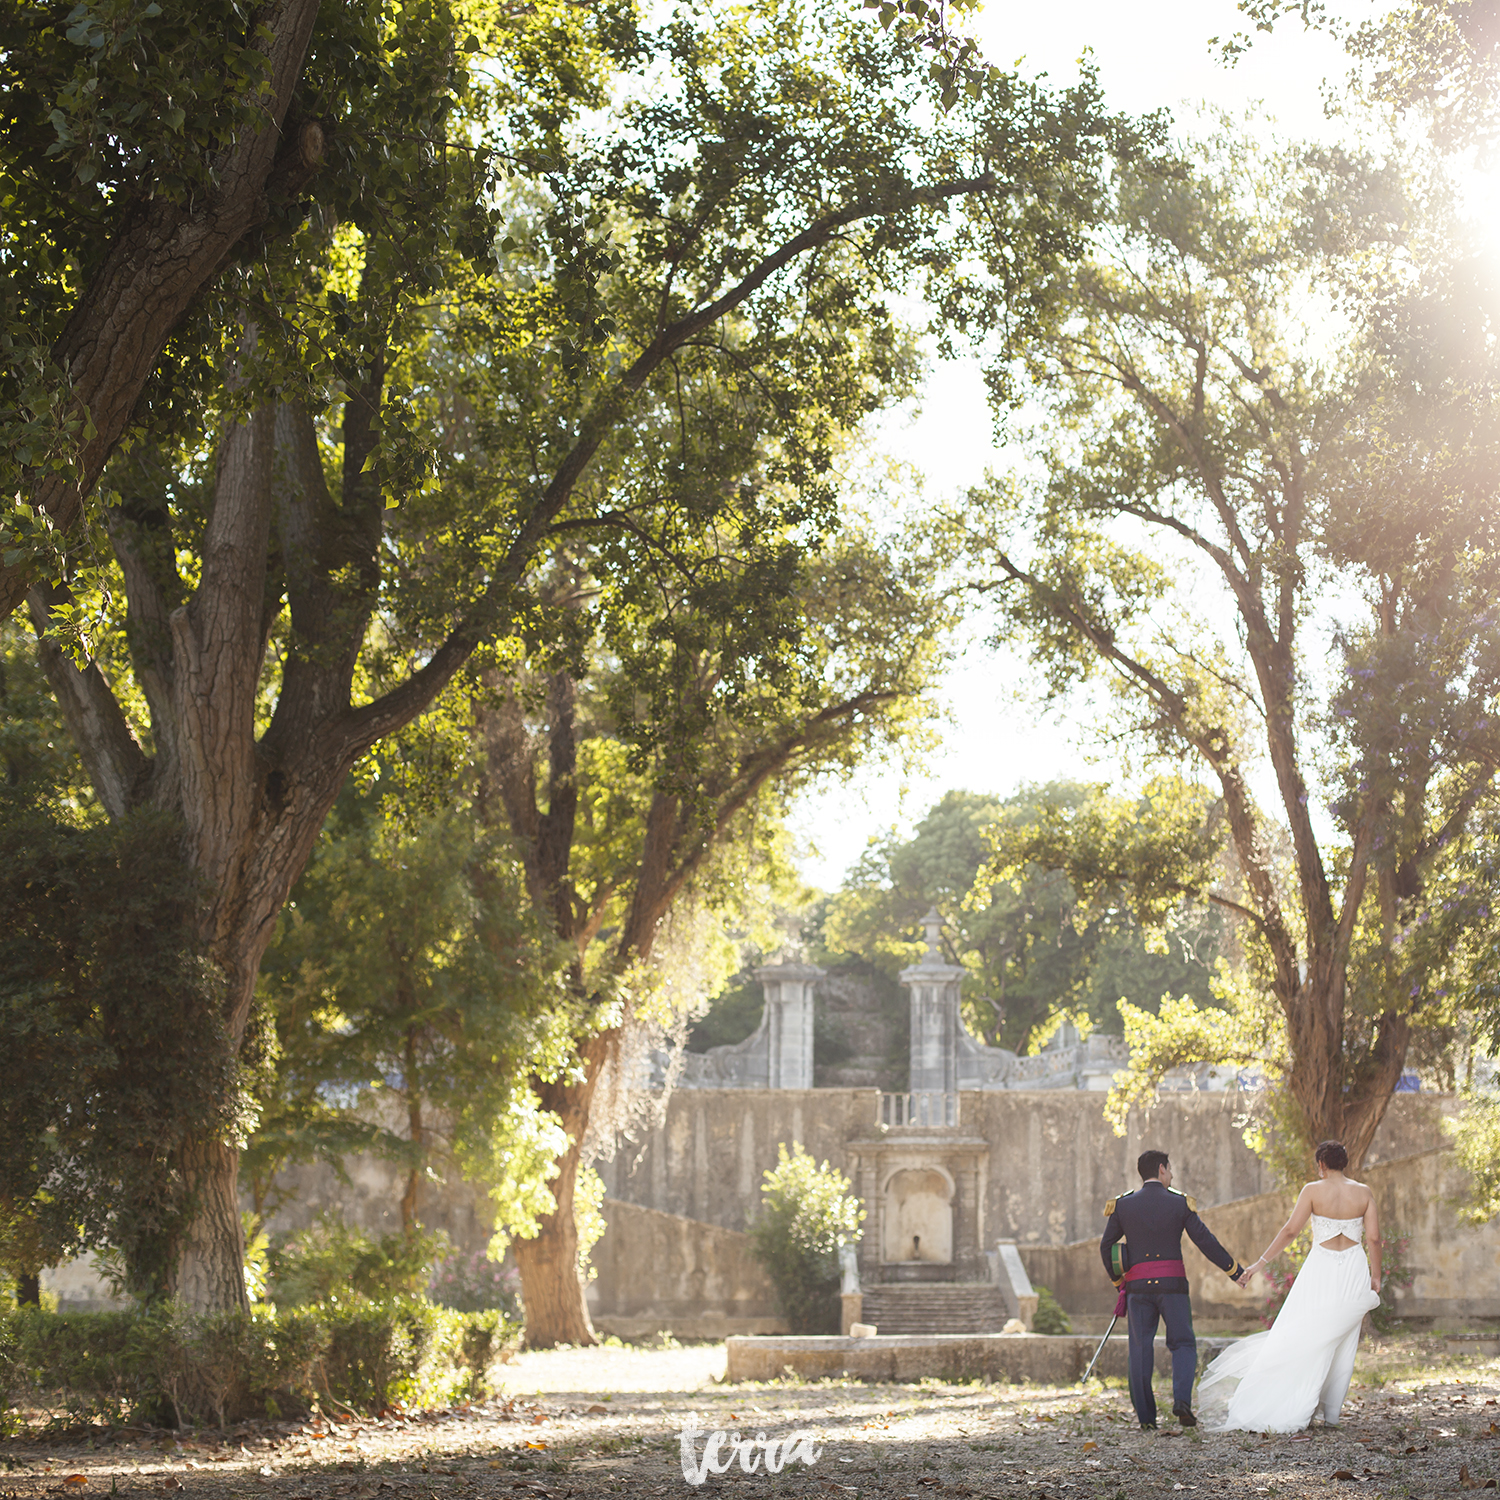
(1142,1250)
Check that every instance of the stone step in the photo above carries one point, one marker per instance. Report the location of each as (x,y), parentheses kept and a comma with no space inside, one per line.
(950,1308)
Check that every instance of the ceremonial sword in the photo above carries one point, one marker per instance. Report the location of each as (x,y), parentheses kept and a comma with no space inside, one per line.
(1117,1265)
(1100,1350)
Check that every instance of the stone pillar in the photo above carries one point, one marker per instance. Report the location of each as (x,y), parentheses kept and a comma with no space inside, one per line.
(935,1020)
(851,1298)
(851,1311)
(789,1023)
(968,1253)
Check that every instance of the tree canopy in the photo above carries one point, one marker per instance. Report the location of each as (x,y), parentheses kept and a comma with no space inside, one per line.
(1230,421)
(1042,934)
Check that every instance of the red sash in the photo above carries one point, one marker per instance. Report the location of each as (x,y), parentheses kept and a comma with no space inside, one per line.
(1148,1270)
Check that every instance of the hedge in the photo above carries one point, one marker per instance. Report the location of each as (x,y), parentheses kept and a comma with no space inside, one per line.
(176,1370)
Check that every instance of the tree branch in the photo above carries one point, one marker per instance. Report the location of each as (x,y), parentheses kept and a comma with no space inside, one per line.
(364,725)
(116,764)
(162,256)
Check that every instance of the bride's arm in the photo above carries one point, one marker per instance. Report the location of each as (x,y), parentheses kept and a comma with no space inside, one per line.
(1288,1231)
(1372,1242)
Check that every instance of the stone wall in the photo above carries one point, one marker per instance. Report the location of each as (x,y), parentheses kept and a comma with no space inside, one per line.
(370,1199)
(1052,1158)
(1050,1164)
(656,1272)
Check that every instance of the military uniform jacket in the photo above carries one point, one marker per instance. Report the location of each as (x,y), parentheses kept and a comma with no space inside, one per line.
(1152,1221)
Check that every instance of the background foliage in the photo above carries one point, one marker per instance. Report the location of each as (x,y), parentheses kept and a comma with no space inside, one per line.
(807,1212)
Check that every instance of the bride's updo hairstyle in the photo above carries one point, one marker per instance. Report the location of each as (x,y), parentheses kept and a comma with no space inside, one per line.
(1332,1155)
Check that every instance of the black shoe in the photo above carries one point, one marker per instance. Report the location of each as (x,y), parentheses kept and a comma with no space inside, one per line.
(1184,1414)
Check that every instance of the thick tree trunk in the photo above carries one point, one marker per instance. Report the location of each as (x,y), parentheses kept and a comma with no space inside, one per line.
(1336,1106)
(29,1289)
(551,1287)
(162,256)
(209,1276)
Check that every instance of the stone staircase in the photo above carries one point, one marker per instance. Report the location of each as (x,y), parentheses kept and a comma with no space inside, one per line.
(937,1307)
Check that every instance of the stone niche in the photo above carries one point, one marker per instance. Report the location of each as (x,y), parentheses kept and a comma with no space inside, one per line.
(923,1191)
(918,1217)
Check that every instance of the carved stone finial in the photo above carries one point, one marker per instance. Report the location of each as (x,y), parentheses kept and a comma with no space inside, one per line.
(932,925)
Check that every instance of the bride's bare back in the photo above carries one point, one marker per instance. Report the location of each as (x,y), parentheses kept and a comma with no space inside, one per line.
(1340,1197)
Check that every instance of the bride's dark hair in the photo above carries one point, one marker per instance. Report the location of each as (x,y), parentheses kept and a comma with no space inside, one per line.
(1332,1155)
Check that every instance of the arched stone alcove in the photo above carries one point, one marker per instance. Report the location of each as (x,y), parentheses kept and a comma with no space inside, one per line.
(918,1218)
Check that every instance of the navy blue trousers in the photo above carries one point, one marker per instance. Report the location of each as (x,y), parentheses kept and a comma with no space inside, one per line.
(1143,1310)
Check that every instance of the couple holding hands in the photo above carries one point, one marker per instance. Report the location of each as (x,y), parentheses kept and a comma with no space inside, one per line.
(1276,1381)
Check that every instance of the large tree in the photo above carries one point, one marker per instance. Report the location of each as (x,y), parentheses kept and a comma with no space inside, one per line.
(640,778)
(492,304)
(1275,539)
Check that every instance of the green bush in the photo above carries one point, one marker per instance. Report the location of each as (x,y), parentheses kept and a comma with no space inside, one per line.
(163,1366)
(1050,1317)
(333,1262)
(807,1212)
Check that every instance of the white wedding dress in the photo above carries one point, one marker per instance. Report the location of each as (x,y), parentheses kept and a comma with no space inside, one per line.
(1300,1367)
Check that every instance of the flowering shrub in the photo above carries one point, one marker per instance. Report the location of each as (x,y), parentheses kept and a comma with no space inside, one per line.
(475,1283)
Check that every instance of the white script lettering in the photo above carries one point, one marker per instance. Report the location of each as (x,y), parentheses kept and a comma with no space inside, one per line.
(722,1448)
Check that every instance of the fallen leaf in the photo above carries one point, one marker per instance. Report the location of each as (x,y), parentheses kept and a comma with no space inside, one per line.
(1342,1474)
(1467,1481)
(1089,1446)
(536,1445)
(596,1407)
(76,1479)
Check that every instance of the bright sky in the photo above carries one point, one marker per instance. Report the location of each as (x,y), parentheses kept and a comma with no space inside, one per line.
(1150,53)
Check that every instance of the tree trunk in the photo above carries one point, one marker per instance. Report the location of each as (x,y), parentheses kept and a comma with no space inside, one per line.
(551,1286)
(416,1135)
(29,1289)
(209,1276)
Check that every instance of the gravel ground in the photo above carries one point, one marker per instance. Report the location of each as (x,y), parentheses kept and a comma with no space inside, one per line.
(596,1423)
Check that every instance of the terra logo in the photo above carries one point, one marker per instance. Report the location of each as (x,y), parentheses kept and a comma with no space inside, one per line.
(723,1448)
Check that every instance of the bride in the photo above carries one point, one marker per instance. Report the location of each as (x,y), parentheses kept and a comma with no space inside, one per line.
(1278,1381)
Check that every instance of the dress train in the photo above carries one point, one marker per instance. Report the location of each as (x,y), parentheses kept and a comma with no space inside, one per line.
(1277,1381)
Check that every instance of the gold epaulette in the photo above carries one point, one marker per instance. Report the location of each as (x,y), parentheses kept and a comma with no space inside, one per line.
(1109,1206)
(1192,1202)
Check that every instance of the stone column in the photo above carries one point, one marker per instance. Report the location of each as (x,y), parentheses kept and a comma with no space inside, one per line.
(935,1021)
(789,1023)
(967,1251)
